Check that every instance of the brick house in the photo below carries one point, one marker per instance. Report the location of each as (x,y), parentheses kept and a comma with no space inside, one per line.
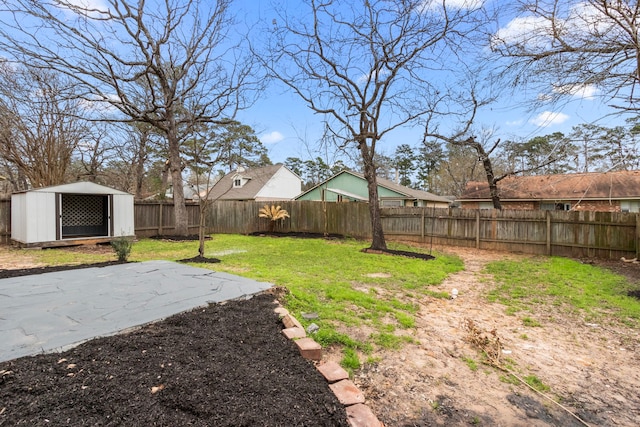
(595,191)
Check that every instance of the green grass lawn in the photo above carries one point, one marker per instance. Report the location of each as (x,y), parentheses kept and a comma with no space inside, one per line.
(560,285)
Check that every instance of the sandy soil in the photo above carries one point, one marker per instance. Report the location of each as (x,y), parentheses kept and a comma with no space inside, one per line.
(592,370)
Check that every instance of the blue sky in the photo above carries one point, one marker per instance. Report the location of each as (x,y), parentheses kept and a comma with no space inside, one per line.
(288,127)
(283,122)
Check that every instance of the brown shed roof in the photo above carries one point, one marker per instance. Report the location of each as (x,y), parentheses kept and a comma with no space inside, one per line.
(578,186)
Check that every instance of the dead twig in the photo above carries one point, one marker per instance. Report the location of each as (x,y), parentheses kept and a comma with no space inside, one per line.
(489,343)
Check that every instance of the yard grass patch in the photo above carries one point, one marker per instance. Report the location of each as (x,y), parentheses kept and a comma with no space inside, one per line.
(351,291)
(564,284)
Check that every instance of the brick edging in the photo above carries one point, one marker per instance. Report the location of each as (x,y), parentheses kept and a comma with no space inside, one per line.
(358,414)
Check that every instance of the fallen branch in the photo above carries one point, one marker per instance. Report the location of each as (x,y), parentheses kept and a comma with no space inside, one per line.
(489,343)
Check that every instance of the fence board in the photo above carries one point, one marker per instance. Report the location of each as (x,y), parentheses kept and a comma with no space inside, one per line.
(5,221)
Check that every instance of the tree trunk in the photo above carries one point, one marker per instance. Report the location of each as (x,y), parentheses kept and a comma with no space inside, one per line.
(179,206)
(201,226)
(488,169)
(378,242)
(495,198)
(140,160)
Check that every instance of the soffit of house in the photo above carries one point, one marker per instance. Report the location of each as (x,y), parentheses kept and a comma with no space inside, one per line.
(407,192)
(347,194)
(608,185)
(257,178)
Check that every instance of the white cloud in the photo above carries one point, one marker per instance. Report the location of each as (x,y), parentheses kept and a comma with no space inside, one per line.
(464,4)
(436,5)
(577,91)
(549,118)
(581,21)
(532,31)
(100,5)
(514,122)
(271,137)
(92,8)
(366,77)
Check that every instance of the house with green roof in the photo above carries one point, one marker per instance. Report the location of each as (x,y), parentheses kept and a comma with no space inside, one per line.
(350,186)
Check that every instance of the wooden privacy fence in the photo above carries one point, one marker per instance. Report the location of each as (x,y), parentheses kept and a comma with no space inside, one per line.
(156,218)
(5,220)
(573,234)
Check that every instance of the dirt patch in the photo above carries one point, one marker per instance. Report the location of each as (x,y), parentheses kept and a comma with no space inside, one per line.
(591,369)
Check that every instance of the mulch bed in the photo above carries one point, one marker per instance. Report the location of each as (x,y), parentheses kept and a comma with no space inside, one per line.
(224,365)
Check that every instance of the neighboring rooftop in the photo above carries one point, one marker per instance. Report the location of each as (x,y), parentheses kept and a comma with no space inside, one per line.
(249,184)
(592,185)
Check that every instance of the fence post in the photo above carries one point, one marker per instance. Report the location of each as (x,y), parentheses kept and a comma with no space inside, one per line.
(548,217)
(160,219)
(637,235)
(478,229)
(422,225)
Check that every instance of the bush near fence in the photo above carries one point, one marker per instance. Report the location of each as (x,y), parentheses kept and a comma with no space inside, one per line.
(573,234)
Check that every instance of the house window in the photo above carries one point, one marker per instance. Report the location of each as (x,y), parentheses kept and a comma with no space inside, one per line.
(630,206)
(237,182)
(555,206)
(391,203)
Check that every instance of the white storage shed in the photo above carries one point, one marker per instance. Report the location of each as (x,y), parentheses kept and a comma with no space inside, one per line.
(70,214)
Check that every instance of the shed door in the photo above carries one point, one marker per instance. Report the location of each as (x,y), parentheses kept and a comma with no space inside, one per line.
(84,215)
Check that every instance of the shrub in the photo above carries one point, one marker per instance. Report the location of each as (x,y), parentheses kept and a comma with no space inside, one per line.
(273,214)
(122,247)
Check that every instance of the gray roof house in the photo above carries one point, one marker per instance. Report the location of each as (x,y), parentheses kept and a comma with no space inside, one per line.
(274,182)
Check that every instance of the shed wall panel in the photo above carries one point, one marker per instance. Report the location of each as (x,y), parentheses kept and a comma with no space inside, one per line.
(41,217)
(123,223)
(18,213)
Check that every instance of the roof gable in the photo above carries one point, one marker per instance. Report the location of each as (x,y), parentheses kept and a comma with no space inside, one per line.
(393,190)
(253,181)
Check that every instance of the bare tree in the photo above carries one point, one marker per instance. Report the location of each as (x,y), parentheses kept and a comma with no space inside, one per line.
(575,47)
(370,67)
(175,54)
(41,128)
(484,149)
